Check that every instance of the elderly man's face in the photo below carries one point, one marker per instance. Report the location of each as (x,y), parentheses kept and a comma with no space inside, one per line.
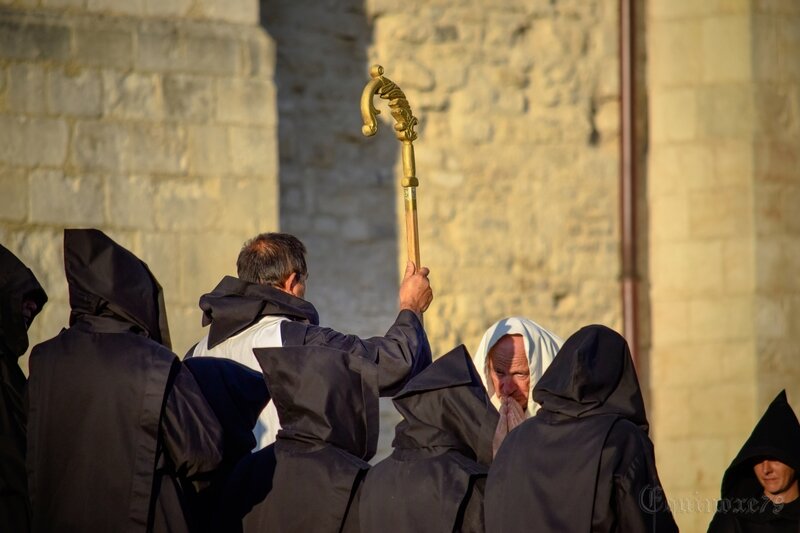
(508,368)
(777,478)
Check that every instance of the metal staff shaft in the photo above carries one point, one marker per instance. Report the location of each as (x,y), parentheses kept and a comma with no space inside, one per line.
(405,122)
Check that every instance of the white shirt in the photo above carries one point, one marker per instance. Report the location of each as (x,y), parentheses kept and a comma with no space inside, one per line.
(266,333)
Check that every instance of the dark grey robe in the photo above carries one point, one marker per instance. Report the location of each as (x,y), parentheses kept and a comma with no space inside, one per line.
(117,426)
(434,480)
(17,283)
(310,478)
(584,462)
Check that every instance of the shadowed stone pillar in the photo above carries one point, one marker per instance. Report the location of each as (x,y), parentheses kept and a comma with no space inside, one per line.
(724,231)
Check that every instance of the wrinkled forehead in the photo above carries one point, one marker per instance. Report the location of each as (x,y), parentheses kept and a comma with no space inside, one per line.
(509,353)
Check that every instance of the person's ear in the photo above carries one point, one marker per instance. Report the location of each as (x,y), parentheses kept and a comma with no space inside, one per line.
(289,283)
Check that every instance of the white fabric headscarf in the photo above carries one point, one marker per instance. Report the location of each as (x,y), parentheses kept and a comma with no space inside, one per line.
(541,346)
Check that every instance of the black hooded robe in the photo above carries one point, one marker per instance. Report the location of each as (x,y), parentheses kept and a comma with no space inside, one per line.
(235,305)
(744,508)
(434,480)
(310,478)
(17,283)
(584,462)
(116,424)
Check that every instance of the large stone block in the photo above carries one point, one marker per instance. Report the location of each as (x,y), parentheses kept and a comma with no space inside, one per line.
(33,39)
(246,101)
(673,52)
(32,141)
(727,49)
(204,258)
(104,46)
(163,49)
(185,204)
(189,97)
(130,202)
(674,115)
(60,199)
(76,92)
(719,319)
(167,8)
(116,7)
(249,205)
(99,145)
(254,150)
(235,11)
(132,95)
(209,150)
(13,194)
(723,213)
(669,218)
(26,89)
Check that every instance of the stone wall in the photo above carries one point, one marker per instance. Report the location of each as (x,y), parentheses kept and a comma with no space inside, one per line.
(152,120)
(723,115)
(517,158)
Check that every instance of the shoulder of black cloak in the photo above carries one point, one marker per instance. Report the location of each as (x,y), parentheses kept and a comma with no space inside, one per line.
(592,374)
(776,436)
(324,395)
(103,274)
(235,304)
(409,489)
(17,282)
(446,405)
(450,370)
(237,395)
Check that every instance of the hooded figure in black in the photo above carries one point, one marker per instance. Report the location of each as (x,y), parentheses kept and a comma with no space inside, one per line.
(117,426)
(310,478)
(21,298)
(584,462)
(435,478)
(744,507)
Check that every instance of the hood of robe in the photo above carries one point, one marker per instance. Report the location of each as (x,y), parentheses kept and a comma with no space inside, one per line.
(446,406)
(776,436)
(234,305)
(324,397)
(593,374)
(106,280)
(541,346)
(236,394)
(17,283)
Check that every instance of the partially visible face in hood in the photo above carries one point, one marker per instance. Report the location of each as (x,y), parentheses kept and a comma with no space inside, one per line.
(106,279)
(776,437)
(593,374)
(446,405)
(21,299)
(324,396)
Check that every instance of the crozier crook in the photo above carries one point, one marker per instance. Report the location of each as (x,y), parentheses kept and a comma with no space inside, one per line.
(404,125)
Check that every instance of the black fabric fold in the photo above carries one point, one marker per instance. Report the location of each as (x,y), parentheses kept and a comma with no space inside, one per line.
(327,402)
(434,478)
(234,305)
(17,283)
(105,277)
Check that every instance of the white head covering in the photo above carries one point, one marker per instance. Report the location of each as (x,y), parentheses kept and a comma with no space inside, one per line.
(540,344)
